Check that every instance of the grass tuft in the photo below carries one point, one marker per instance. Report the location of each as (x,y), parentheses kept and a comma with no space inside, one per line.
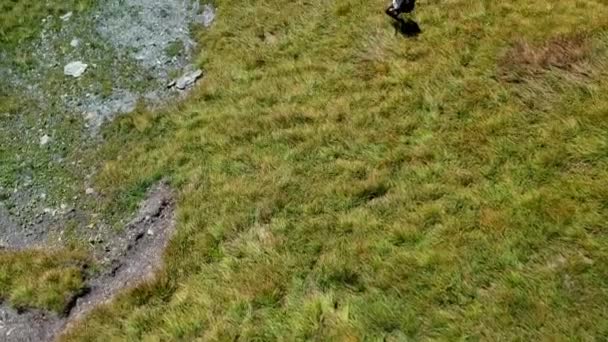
(42,280)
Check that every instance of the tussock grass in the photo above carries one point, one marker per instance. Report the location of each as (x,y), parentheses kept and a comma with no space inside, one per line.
(40,279)
(339,182)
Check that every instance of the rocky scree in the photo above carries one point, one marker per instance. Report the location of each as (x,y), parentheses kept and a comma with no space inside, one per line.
(83,71)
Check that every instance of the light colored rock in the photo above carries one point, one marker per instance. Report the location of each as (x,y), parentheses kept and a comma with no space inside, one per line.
(90,116)
(207,17)
(75,69)
(90,191)
(586,260)
(44,140)
(270,38)
(188,79)
(74,43)
(66,16)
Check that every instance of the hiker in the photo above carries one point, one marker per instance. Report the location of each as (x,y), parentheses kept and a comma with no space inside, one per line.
(398,7)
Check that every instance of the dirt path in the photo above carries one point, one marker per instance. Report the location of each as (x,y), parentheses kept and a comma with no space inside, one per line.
(139,254)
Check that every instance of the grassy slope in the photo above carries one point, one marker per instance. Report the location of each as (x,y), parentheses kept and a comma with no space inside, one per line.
(339,182)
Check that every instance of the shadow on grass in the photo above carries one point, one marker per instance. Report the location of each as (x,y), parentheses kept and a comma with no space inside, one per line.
(407,28)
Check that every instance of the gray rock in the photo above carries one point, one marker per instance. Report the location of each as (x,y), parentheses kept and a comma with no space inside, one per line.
(66,16)
(44,140)
(270,38)
(75,69)
(207,17)
(188,79)
(74,43)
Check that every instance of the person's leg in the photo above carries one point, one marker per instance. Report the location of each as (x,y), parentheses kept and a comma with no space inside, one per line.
(393,13)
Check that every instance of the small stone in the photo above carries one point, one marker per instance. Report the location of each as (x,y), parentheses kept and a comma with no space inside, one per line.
(208,16)
(150,232)
(63,206)
(66,16)
(270,38)
(44,140)
(188,79)
(90,117)
(586,261)
(74,43)
(75,69)
(90,191)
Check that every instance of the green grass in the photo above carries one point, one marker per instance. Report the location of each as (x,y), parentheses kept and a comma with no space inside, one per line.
(20,20)
(338,182)
(343,183)
(175,49)
(40,279)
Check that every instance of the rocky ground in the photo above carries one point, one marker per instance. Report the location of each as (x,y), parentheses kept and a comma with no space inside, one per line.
(136,254)
(82,75)
(83,71)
